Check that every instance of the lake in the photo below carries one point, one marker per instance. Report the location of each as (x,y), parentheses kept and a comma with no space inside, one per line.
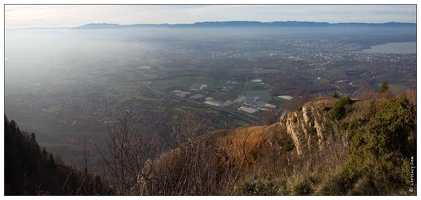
(393,48)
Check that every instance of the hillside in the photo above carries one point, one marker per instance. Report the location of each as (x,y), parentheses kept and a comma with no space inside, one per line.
(31,171)
(330,146)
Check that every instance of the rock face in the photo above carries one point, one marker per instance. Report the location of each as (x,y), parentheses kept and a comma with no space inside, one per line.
(310,127)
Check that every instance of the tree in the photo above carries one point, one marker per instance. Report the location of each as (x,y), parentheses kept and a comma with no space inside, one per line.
(34,142)
(338,111)
(194,166)
(51,163)
(44,153)
(384,87)
(128,150)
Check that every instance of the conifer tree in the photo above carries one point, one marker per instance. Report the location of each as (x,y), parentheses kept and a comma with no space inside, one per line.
(384,87)
(51,163)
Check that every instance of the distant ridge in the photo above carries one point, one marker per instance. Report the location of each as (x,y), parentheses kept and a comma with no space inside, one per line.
(249,24)
(98,26)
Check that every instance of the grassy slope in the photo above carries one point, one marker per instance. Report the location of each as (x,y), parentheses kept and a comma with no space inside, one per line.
(268,165)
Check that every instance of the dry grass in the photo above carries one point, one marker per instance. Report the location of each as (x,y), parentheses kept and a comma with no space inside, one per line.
(245,145)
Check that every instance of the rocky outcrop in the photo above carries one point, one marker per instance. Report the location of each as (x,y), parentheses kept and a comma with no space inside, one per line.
(310,127)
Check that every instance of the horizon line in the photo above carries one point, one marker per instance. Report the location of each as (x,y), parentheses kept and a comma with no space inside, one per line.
(199,22)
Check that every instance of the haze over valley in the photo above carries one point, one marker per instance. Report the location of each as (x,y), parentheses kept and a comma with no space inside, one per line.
(65,84)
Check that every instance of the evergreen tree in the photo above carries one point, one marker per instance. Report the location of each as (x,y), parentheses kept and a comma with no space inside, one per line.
(384,87)
(34,142)
(51,163)
(44,153)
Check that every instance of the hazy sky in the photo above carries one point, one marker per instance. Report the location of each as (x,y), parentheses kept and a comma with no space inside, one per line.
(20,16)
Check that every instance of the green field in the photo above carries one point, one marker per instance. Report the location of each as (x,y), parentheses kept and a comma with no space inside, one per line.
(258,70)
(185,82)
(133,99)
(35,84)
(278,102)
(348,71)
(223,96)
(394,87)
(201,109)
(179,81)
(124,88)
(256,86)
(53,108)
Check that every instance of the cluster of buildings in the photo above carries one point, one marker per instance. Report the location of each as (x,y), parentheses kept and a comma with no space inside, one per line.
(213,102)
(252,102)
(180,93)
(197,87)
(255,101)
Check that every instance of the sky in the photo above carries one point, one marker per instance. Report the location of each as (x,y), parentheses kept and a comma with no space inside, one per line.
(24,16)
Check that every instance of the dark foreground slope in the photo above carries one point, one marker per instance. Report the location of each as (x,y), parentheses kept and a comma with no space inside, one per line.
(28,170)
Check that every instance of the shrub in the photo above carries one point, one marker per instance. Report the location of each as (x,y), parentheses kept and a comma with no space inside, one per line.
(313,131)
(262,185)
(353,125)
(339,184)
(378,152)
(294,119)
(384,87)
(364,186)
(335,95)
(343,101)
(338,111)
(287,145)
(343,126)
(406,171)
(301,188)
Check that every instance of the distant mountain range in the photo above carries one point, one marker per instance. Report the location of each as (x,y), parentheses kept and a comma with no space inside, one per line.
(249,24)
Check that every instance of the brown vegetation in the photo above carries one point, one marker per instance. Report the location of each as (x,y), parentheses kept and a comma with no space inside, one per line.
(311,151)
